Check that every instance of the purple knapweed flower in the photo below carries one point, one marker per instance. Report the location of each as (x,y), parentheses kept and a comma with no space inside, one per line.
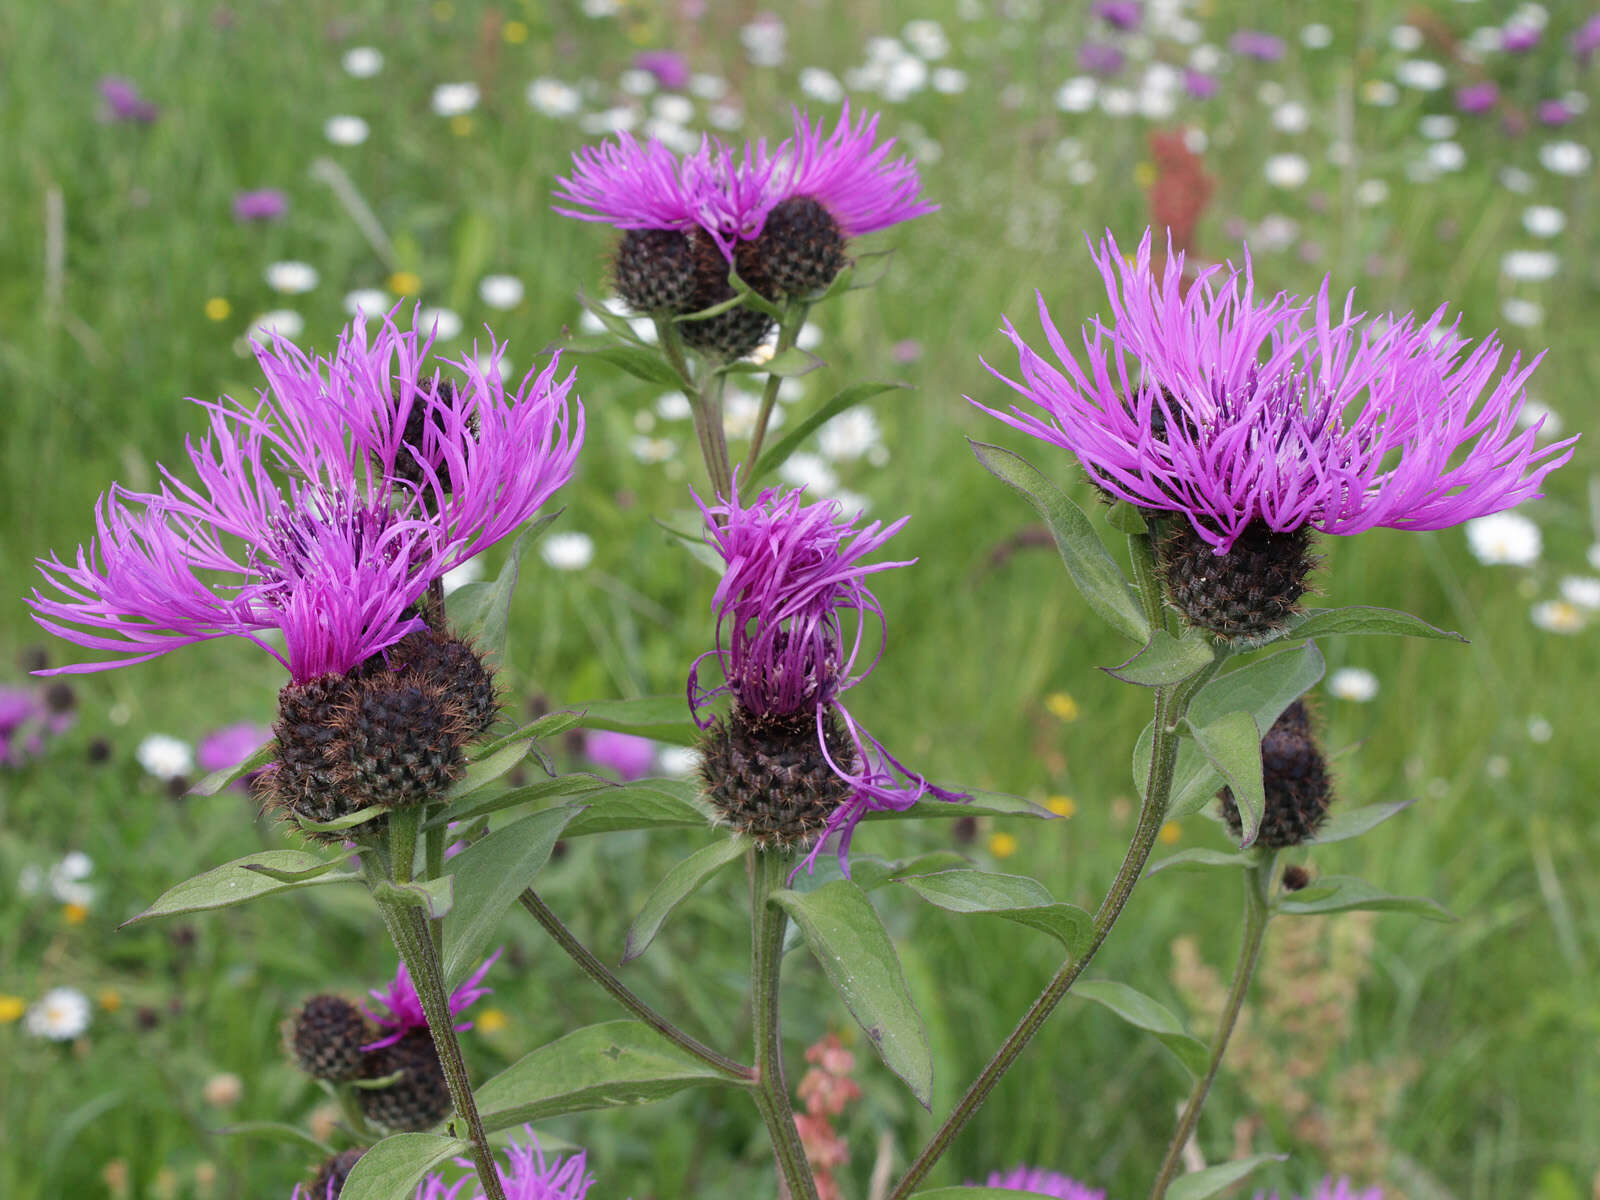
(1335,1189)
(793,571)
(1100,58)
(124,103)
(1586,39)
(261,204)
(669,67)
(638,186)
(630,756)
(1477,97)
(1206,399)
(529,1175)
(1119,14)
(1519,37)
(402,1007)
(1042,1183)
(1199,85)
(1252,43)
(1554,112)
(326,512)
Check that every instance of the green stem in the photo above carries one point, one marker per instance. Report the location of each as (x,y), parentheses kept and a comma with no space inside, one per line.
(433,867)
(403,826)
(706,409)
(767,874)
(794,319)
(1256,915)
(409,929)
(719,464)
(623,995)
(354,1117)
(1141,552)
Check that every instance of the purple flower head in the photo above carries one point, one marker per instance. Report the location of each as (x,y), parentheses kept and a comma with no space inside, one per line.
(669,67)
(314,515)
(793,571)
(403,1007)
(1100,58)
(1252,43)
(1210,400)
(124,103)
(1477,97)
(17,705)
(1586,39)
(1119,14)
(1336,1189)
(633,186)
(1199,85)
(529,1175)
(628,755)
(1519,37)
(1041,1182)
(1554,112)
(262,204)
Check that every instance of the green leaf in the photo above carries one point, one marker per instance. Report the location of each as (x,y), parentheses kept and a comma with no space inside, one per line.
(486,770)
(477,805)
(599,1066)
(866,271)
(849,940)
(433,896)
(664,718)
(219,779)
(349,821)
(1209,1181)
(646,804)
(751,297)
(715,310)
(1126,518)
(1014,897)
(870,873)
(1165,660)
(614,321)
(489,876)
(547,726)
(638,361)
(1092,568)
(1346,893)
(1320,622)
(283,876)
(675,887)
(843,401)
(1139,1010)
(1346,823)
(789,364)
(279,1131)
(397,1164)
(479,612)
(982,804)
(234,883)
(1201,860)
(1233,744)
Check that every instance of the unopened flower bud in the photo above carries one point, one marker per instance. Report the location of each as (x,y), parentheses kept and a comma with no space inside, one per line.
(654,270)
(325,1038)
(800,250)
(732,334)
(1295,777)
(420,1098)
(768,777)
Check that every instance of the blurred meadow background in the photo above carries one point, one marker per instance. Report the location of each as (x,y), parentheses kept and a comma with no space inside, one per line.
(1423,153)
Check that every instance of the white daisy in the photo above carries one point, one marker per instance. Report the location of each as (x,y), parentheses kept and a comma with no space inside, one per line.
(1353,683)
(1582,590)
(1287,170)
(553,98)
(165,756)
(1565,158)
(821,86)
(1543,220)
(363,62)
(443,322)
(345,130)
(1504,538)
(371,302)
(454,99)
(291,278)
(284,322)
(501,291)
(60,1015)
(456,577)
(569,551)
(1557,616)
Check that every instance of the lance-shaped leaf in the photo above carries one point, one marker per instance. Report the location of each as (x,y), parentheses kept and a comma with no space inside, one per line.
(646,804)
(844,932)
(1165,660)
(432,896)
(615,322)
(982,804)
(790,442)
(1362,619)
(479,612)
(547,726)
(397,1164)
(1212,1181)
(599,1066)
(480,803)
(1139,1010)
(664,718)
(1092,568)
(789,364)
(1346,823)
(235,883)
(297,876)
(1346,893)
(638,361)
(222,777)
(278,1131)
(872,873)
(1201,860)
(486,770)
(1233,744)
(1014,897)
(489,875)
(676,886)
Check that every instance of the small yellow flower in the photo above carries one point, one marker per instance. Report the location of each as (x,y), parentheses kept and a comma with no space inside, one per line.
(1002,845)
(492,1020)
(217,309)
(74,914)
(514,32)
(1170,833)
(1062,706)
(11,1008)
(110,999)
(405,283)
(461,124)
(1144,174)
(1062,806)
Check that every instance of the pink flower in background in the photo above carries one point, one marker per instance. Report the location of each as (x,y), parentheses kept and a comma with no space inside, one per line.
(262,204)
(1477,97)
(669,67)
(629,756)
(124,103)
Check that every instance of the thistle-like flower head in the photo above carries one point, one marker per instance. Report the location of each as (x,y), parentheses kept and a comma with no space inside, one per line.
(401,1007)
(1042,1183)
(1228,407)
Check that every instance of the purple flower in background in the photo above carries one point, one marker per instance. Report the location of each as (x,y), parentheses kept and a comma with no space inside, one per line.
(1554,112)
(631,757)
(1041,1182)
(230,746)
(1230,408)
(1477,97)
(1100,58)
(1586,39)
(402,1007)
(1119,14)
(1252,43)
(17,708)
(669,67)
(793,570)
(262,204)
(123,101)
(1519,37)
(328,508)
(1336,1189)
(1199,85)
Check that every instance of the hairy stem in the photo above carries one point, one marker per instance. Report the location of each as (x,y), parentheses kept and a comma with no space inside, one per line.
(767,872)
(403,826)
(623,995)
(433,867)
(1256,915)
(794,319)
(705,403)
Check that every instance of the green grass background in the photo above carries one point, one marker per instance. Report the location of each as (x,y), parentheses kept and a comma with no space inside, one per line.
(1499,1007)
